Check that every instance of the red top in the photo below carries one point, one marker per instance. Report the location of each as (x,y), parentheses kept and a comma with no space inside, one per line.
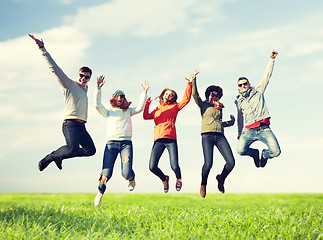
(257,124)
(165,115)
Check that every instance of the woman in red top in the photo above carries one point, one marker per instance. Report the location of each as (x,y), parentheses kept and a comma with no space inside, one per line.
(165,132)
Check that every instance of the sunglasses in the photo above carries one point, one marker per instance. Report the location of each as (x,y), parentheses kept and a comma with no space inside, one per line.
(122,96)
(215,95)
(243,84)
(84,76)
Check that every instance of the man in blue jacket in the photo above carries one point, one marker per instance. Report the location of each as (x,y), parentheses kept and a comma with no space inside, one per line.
(251,105)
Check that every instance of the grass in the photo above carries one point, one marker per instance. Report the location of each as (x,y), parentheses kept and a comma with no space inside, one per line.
(161,216)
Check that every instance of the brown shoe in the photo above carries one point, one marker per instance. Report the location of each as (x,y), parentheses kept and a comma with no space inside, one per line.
(203,191)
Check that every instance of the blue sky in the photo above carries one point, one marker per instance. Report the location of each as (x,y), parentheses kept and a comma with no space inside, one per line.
(161,42)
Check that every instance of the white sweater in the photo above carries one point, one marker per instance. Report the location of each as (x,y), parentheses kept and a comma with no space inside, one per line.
(119,126)
(76,101)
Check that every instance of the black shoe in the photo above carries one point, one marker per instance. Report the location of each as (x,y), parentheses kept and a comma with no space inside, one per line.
(42,164)
(220,183)
(263,160)
(59,164)
(256,159)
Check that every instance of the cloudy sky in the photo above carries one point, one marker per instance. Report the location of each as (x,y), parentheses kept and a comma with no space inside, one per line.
(160,41)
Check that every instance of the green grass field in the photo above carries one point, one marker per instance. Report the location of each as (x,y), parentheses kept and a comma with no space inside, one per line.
(161,216)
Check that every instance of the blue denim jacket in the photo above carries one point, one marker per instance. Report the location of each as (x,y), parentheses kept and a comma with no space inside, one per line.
(253,106)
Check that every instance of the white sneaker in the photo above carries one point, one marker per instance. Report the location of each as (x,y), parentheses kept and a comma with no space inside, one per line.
(132,185)
(98,199)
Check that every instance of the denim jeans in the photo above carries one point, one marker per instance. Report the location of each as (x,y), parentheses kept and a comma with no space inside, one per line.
(75,135)
(209,140)
(112,149)
(266,136)
(156,152)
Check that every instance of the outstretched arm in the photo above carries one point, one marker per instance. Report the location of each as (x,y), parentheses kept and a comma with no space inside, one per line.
(98,97)
(188,90)
(269,69)
(142,99)
(63,80)
(195,93)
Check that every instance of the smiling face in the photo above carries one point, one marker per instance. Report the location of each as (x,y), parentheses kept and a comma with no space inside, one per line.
(120,99)
(83,78)
(243,84)
(168,95)
(214,97)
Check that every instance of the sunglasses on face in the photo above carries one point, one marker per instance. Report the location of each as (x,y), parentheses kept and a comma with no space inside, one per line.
(215,95)
(243,84)
(122,96)
(84,76)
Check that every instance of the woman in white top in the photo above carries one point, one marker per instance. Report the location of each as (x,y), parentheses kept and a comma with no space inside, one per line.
(119,133)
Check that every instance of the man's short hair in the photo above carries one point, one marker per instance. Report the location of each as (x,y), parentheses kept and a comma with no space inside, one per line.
(86,69)
(243,78)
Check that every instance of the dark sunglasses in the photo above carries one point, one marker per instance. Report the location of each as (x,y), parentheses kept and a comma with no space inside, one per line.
(122,96)
(82,75)
(243,84)
(215,95)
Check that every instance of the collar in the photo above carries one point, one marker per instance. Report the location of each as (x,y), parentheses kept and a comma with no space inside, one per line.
(245,94)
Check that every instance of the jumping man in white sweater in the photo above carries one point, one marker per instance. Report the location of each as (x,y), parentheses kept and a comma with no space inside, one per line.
(75,113)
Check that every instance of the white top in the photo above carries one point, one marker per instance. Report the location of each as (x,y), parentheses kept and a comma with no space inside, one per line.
(119,126)
(76,101)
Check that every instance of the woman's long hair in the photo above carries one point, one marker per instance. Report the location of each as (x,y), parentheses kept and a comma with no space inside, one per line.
(173,98)
(125,105)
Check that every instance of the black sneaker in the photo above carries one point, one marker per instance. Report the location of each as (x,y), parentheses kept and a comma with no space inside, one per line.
(256,159)
(263,160)
(42,164)
(220,183)
(59,164)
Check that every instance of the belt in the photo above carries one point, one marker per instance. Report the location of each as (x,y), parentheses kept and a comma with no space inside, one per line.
(261,127)
(77,120)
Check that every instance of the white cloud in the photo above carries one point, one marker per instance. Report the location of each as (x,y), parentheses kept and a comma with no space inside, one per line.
(145,18)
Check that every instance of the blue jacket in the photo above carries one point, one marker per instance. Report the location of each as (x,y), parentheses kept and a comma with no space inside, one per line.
(253,107)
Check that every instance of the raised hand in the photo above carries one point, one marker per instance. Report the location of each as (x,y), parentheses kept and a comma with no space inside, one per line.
(145,86)
(100,81)
(40,43)
(148,100)
(193,75)
(273,54)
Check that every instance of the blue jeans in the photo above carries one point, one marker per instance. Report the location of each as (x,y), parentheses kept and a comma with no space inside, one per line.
(112,149)
(266,136)
(75,135)
(209,140)
(156,152)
